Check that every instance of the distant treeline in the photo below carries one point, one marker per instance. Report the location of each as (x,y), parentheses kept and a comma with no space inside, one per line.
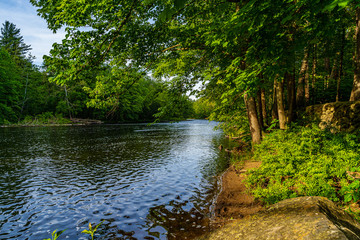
(26,92)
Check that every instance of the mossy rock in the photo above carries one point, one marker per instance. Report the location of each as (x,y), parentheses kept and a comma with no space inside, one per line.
(298,218)
(338,116)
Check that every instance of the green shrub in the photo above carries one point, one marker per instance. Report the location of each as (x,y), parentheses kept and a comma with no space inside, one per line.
(45,118)
(304,161)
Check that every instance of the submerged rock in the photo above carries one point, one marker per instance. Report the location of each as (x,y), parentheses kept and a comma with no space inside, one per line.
(298,218)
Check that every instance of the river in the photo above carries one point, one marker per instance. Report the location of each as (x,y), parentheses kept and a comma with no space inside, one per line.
(145,182)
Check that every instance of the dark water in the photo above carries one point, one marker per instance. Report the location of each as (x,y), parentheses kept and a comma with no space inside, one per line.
(146,182)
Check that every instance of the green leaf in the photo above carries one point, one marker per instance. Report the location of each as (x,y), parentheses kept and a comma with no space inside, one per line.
(59,233)
(335,3)
(348,197)
(98,225)
(179,4)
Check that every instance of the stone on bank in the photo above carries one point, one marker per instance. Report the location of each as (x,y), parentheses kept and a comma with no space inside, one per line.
(313,218)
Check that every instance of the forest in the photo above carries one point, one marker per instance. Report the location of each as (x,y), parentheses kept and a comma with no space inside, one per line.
(255,62)
(28,97)
(247,62)
(252,65)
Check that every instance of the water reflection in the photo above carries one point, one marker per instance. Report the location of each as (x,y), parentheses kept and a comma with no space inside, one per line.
(146,182)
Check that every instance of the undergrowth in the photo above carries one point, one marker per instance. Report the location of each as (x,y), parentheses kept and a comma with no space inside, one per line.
(45,118)
(306,161)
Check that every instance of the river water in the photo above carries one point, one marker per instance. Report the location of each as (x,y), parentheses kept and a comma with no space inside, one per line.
(145,182)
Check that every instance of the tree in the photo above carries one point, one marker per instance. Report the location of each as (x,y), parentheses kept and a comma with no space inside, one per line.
(9,88)
(355,93)
(234,48)
(13,42)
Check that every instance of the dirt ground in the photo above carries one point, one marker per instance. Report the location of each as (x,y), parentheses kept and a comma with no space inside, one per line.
(233,201)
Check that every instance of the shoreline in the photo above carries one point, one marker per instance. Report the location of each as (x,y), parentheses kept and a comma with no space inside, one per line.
(87,122)
(233,201)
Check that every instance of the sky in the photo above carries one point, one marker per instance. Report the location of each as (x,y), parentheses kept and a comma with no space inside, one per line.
(32,27)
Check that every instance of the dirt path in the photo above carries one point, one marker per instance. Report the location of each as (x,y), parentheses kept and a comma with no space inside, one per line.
(233,202)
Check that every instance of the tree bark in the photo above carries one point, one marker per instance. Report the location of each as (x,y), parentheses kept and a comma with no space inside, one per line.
(307,85)
(259,109)
(25,98)
(255,130)
(263,105)
(300,93)
(334,69)
(341,65)
(313,82)
(290,79)
(68,102)
(355,93)
(280,102)
(274,111)
(327,70)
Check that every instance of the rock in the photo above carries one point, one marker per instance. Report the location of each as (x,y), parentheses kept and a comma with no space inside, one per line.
(338,116)
(298,218)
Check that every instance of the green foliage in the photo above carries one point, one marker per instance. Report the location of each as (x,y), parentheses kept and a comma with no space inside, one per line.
(9,88)
(229,47)
(13,42)
(273,124)
(352,191)
(305,162)
(92,230)
(55,235)
(203,108)
(44,118)
(131,96)
(174,108)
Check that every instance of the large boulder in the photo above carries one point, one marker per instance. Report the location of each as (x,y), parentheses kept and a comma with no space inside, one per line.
(338,116)
(297,218)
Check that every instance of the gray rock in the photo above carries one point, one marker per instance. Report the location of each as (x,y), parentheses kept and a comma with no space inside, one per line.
(337,116)
(298,218)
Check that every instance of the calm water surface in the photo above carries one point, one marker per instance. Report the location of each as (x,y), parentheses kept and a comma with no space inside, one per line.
(146,182)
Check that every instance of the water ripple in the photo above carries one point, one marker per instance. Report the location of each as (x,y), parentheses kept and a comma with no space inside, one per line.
(146,182)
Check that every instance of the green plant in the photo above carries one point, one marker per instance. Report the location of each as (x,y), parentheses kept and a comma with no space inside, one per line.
(55,235)
(92,230)
(273,124)
(306,161)
(351,192)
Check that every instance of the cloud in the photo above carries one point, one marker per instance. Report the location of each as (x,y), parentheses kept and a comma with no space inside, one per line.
(32,27)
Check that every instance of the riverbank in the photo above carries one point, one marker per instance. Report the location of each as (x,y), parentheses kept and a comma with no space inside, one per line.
(297,162)
(234,201)
(54,122)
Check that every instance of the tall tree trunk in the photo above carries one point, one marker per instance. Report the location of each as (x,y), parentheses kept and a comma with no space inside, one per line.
(341,65)
(334,71)
(259,109)
(25,97)
(313,82)
(68,102)
(280,102)
(300,93)
(355,93)
(327,70)
(290,79)
(307,85)
(263,105)
(255,130)
(274,110)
